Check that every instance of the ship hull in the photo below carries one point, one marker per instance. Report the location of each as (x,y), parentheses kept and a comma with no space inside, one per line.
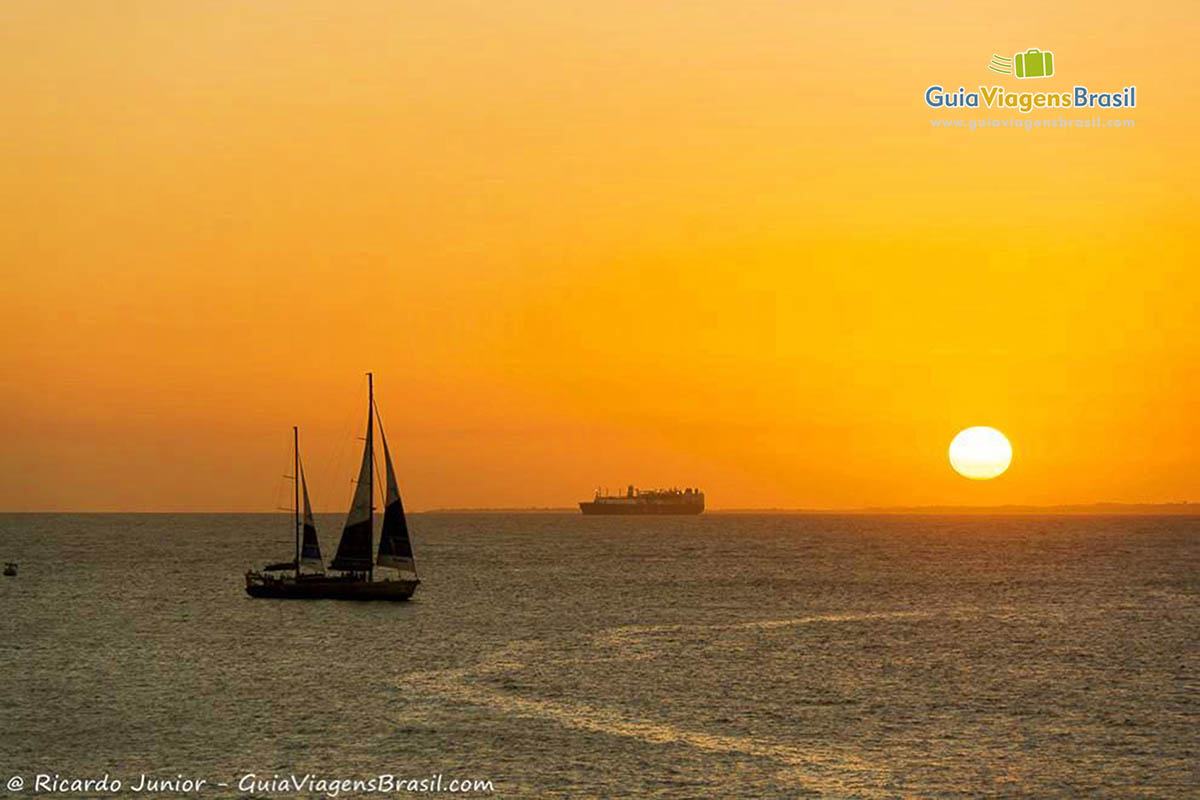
(640,509)
(321,588)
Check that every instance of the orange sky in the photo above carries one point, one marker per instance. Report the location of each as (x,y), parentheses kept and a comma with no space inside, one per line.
(582,244)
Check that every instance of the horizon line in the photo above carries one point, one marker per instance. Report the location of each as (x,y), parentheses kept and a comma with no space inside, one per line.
(1101,507)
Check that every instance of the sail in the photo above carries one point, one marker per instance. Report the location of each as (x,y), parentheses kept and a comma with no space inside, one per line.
(395,549)
(310,550)
(354,550)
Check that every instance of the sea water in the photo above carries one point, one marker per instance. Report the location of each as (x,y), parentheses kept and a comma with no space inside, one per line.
(563,656)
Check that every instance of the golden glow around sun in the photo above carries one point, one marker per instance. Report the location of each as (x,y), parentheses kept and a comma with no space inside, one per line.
(980,453)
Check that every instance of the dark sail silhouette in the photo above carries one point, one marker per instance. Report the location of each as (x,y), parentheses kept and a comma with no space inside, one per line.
(353,559)
(395,549)
(310,549)
(354,549)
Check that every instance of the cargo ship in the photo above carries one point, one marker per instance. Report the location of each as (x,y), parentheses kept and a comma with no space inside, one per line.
(649,501)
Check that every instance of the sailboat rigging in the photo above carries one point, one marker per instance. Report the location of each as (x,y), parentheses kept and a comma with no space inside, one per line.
(353,560)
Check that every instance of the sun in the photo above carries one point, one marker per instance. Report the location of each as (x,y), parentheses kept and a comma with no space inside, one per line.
(980,453)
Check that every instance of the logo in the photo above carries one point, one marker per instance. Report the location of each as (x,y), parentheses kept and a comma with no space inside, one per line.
(1033,63)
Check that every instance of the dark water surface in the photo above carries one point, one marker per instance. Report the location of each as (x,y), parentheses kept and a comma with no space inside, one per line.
(557,655)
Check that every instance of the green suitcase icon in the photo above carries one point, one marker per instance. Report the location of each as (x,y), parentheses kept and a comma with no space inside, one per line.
(1034,63)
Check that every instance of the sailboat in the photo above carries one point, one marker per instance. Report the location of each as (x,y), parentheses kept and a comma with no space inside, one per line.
(353,563)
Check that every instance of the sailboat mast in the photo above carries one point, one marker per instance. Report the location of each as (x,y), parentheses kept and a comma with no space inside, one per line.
(296,478)
(370,475)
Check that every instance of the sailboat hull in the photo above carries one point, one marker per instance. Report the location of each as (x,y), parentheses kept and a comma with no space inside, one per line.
(329,588)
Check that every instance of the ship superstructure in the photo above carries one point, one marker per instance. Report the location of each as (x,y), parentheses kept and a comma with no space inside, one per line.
(646,501)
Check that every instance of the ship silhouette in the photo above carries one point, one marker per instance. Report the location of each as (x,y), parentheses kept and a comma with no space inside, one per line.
(646,501)
(353,562)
